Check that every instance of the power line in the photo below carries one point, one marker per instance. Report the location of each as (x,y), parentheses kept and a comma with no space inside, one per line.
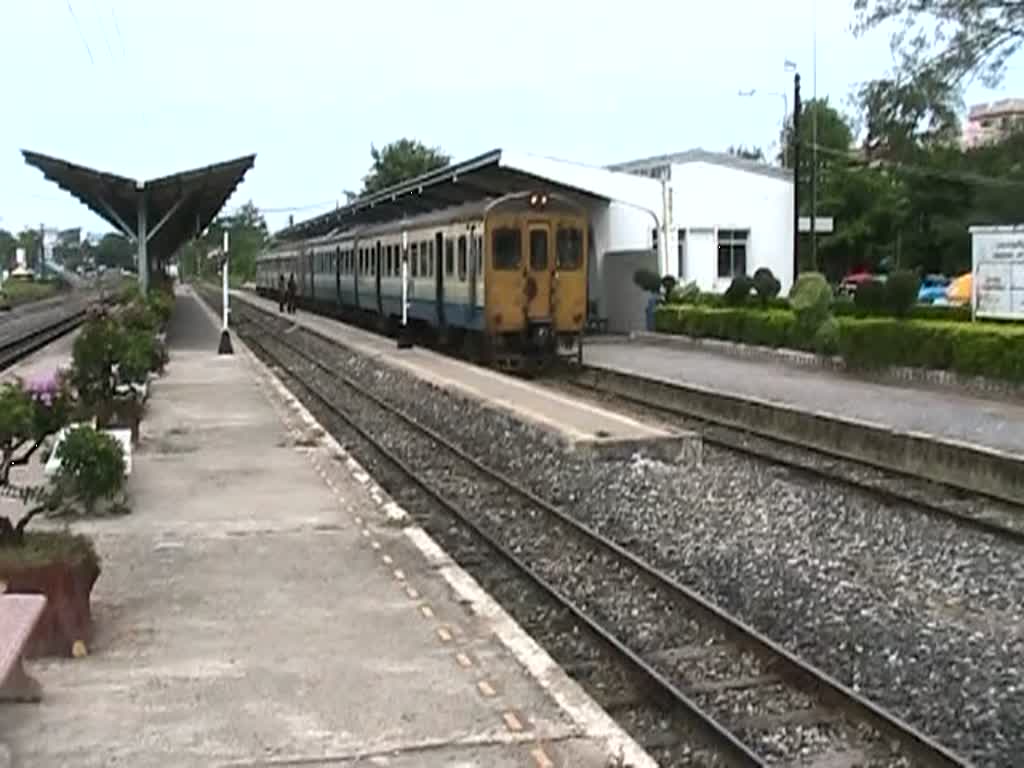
(103,29)
(117,29)
(81,34)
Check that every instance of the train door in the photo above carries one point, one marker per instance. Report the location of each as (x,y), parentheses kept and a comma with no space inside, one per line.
(439,277)
(540,265)
(471,271)
(376,271)
(337,276)
(357,268)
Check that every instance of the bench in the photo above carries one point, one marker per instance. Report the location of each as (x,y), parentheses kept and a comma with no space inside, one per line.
(19,615)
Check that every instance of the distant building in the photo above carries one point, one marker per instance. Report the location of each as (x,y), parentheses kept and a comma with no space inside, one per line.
(992,122)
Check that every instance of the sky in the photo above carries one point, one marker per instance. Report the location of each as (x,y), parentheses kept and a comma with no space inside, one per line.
(144,88)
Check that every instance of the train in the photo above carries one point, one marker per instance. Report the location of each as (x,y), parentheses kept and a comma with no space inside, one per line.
(503,280)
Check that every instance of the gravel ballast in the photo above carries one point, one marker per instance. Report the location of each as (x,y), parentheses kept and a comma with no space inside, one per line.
(920,615)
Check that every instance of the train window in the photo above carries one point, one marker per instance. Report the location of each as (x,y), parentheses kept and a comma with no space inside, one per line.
(389,263)
(479,255)
(449,258)
(414,258)
(430,258)
(538,249)
(506,245)
(423,258)
(569,248)
(462,258)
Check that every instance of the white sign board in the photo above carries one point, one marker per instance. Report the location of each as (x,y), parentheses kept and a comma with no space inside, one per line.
(997,257)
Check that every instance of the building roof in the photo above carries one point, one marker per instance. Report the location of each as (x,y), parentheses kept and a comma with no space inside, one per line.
(178,207)
(704,156)
(489,175)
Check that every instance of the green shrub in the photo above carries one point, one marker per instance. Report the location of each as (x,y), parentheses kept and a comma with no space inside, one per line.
(901,292)
(684,294)
(826,338)
(161,303)
(956,313)
(870,298)
(139,316)
(974,349)
(772,328)
(92,466)
(647,280)
(766,285)
(738,292)
(811,299)
(668,284)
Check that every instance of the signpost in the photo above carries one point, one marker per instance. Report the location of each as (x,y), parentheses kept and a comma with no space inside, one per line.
(997,268)
(225,347)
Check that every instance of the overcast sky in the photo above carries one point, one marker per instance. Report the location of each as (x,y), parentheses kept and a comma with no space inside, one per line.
(145,87)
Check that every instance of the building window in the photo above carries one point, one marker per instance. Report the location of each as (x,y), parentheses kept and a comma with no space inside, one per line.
(732,252)
(654,239)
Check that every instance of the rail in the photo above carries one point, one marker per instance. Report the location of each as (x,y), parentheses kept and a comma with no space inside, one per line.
(800,675)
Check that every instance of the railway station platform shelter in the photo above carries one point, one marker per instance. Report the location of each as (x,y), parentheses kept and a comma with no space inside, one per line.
(158,216)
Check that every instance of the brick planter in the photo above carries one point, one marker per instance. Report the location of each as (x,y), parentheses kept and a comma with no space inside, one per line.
(67,585)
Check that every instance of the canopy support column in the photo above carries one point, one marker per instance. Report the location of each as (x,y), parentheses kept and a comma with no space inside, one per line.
(142,238)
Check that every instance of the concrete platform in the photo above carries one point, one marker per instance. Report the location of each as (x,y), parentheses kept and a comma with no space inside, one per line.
(267,604)
(968,441)
(580,426)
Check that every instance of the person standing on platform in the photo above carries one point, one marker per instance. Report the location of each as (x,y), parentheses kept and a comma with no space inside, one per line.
(280,292)
(291,294)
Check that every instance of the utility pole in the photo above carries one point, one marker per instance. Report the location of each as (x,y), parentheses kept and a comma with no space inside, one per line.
(814,140)
(42,251)
(796,175)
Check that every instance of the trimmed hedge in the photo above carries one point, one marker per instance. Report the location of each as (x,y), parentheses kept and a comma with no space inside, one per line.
(974,349)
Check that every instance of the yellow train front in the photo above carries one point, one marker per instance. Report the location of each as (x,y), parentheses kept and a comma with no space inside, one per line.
(535,284)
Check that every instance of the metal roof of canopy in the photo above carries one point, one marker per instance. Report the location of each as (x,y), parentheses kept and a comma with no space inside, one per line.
(491,174)
(172,209)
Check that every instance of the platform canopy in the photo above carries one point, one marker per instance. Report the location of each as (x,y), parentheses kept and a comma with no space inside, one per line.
(491,174)
(159,215)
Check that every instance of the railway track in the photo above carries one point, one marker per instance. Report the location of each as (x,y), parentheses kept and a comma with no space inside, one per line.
(15,349)
(694,684)
(974,510)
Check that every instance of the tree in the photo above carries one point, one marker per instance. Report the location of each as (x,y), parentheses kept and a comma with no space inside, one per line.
(947,41)
(115,251)
(28,240)
(248,236)
(753,153)
(8,245)
(401,160)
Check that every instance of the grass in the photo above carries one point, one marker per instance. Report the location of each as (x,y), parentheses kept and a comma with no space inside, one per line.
(17,292)
(43,547)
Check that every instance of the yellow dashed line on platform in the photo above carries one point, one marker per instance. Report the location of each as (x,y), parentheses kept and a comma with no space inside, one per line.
(541,758)
(427,611)
(366,532)
(386,559)
(512,722)
(400,575)
(359,520)
(463,659)
(375,544)
(444,634)
(486,689)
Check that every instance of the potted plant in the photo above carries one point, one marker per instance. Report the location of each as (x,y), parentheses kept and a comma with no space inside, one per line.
(58,564)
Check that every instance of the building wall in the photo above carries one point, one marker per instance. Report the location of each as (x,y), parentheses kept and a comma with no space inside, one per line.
(707,198)
(615,227)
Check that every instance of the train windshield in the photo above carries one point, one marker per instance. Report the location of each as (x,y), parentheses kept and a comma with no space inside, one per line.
(507,247)
(570,248)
